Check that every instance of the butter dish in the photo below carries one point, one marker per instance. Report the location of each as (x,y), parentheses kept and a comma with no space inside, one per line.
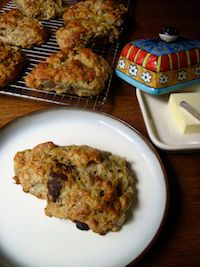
(161,126)
(157,66)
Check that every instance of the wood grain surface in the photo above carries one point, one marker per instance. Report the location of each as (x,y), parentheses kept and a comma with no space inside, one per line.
(178,244)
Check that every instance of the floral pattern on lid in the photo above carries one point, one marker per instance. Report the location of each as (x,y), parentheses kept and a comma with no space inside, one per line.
(158,65)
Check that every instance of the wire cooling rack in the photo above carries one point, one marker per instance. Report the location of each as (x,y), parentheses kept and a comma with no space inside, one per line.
(37,54)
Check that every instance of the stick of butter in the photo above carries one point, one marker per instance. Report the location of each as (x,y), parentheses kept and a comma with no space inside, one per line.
(186,123)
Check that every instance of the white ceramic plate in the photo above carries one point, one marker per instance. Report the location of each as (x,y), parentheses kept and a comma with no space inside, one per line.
(160,125)
(28,238)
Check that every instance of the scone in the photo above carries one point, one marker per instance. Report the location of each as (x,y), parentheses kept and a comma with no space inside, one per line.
(108,11)
(80,72)
(17,29)
(85,32)
(40,9)
(90,22)
(11,63)
(92,188)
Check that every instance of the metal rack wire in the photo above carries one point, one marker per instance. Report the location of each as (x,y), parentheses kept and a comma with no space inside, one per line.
(37,54)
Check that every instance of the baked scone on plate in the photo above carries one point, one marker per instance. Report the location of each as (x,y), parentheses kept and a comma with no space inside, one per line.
(85,32)
(91,187)
(108,11)
(80,71)
(17,29)
(11,63)
(40,9)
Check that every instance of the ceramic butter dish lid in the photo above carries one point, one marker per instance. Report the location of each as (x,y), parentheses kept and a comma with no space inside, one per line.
(157,66)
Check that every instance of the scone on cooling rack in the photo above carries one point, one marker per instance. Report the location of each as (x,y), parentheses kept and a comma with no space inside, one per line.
(40,9)
(17,29)
(80,71)
(11,63)
(108,11)
(85,32)
(91,187)
(90,22)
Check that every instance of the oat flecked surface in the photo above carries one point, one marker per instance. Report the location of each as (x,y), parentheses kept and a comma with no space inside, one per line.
(91,187)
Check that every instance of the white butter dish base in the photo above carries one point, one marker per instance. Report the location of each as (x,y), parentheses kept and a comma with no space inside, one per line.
(160,125)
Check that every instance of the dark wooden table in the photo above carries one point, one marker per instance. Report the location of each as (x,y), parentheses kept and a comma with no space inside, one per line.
(178,244)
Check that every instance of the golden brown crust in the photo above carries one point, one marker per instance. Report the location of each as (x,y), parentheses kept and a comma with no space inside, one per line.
(11,63)
(40,9)
(100,10)
(80,72)
(17,29)
(90,22)
(84,32)
(80,183)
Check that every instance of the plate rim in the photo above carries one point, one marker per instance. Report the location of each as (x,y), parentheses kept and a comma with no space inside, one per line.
(145,140)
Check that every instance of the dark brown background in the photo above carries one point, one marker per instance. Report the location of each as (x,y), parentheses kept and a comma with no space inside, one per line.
(178,244)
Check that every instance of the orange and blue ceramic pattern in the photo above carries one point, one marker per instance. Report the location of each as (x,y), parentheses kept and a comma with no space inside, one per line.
(158,64)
